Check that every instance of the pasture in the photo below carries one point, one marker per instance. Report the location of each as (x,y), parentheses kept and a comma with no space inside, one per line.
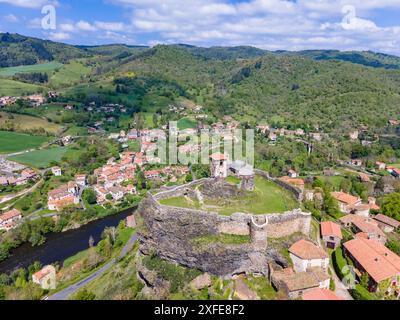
(11,142)
(41,67)
(41,158)
(17,88)
(21,122)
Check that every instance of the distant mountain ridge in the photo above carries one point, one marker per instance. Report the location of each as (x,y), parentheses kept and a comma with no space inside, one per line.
(17,50)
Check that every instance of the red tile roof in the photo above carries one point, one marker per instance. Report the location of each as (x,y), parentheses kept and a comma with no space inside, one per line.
(329,228)
(387,220)
(218,157)
(377,260)
(320,294)
(345,198)
(305,249)
(10,215)
(295,181)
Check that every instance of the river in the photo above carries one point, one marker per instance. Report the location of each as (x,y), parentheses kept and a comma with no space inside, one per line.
(60,246)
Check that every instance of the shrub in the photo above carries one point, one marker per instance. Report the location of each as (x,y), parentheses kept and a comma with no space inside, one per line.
(339,262)
(360,293)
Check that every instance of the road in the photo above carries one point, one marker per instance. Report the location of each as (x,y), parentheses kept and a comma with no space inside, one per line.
(67,292)
(19,194)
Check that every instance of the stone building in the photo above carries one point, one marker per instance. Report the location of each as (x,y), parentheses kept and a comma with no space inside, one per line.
(219,165)
(331,234)
(46,277)
(243,171)
(306,255)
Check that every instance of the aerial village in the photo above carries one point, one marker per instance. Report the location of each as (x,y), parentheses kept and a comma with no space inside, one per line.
(357,236)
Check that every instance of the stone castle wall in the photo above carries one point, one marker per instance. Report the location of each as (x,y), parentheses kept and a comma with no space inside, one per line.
(297,192)
(173,233)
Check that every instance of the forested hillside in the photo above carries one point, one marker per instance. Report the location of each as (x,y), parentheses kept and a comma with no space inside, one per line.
(16,50)
(328,89)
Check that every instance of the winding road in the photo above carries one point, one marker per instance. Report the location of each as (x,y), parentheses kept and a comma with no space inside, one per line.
(67,292)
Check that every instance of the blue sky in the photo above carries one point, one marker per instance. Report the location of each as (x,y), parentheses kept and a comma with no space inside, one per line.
(268,24)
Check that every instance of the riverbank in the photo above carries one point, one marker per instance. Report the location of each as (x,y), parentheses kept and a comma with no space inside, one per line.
(61,245)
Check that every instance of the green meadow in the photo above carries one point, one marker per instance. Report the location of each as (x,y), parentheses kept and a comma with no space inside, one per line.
(11,142)
(42,67)
(17,88)
(41,158)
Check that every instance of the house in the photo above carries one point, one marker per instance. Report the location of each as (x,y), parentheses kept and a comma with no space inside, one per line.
(364,177)
(347,202)
(299,183)
(316,136)
(219,165)
(353,135)
(81,180)
(395,172)
(133,134)
(364,225)
(292,173)
(63,196)
(386,223)
(117,192)
(380,165)
(297,284)
(56,171)
(46,278)
(272,136)
(331,234)
(305,255)
(320,294)
(66,140)
(130,221)
(9,219)
(152,174)
(356,162)
(381,264)
(101,193)
(394,122)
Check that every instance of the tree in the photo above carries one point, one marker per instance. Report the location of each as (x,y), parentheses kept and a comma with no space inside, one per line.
(90,196)
(391,206)
(84,294)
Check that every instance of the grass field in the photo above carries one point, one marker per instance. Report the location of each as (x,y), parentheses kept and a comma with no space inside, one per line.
(22,122)
(335,181)
(41,158)
(267,198)
(16,88)
(69,74)
(186,123)
(11,142)
(43,67)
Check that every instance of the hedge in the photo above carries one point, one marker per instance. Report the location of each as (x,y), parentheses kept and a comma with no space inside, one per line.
(339,262)
(360,293)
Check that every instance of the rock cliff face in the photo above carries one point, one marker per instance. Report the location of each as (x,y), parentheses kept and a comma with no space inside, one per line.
(171,233)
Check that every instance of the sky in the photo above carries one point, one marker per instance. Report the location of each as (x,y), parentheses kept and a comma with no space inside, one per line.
(268,24)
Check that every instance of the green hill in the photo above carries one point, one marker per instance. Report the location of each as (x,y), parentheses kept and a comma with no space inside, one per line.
(16,50)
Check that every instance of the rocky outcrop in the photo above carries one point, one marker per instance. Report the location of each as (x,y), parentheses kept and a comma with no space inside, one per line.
(172,234)
(201,282)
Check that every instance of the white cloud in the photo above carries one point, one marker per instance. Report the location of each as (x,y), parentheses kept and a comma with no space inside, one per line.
(11,18)
(269,24)
(85,26)
(28,3)
(59,36)
(110,26)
